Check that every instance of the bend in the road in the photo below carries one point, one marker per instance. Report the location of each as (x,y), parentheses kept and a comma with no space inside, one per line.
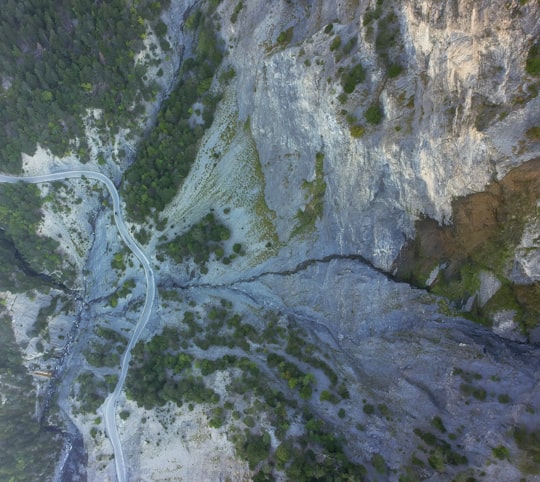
(109,407)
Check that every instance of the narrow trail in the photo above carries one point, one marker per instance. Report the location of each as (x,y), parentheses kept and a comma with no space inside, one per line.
(109,407)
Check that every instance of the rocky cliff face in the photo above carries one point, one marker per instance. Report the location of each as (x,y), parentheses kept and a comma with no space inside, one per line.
(452,118)
(441,106)
(367,118)
(358,145)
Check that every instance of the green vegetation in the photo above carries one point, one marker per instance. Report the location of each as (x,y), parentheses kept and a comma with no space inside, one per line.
(22,438)
(438,424)
(477,392)
(234,16)
(368,409)
(13,270)
(254,175)
(533,133)
(394,70)
(372,15)
(439,451)
(169,367)
(487,228)
(374,114)
(203,239)
(532,65)
(20,216)
(352,77)
(165,157)
(122,292)
(314,193)
(348,46)
(90,391)
(387,33)
(290,372)
(335,43)
(387,37)
(357,131)
(40,325)
(59,59)
(100,356)
(118,261)
(528,441)
(379,464)
(501,452)
(285,37)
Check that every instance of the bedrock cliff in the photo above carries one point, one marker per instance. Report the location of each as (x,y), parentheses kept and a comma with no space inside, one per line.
(348,271)
(453,118)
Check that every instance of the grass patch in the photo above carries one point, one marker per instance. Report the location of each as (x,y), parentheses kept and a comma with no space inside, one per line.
(357,131)
(533,133)
(284,38)
(266,228)
(335,43)
(314,192)
(532,64)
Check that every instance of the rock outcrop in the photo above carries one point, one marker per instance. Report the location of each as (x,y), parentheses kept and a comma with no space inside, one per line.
(377,166)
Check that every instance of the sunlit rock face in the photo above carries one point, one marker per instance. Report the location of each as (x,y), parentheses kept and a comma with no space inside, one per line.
(344,125)
(453,119)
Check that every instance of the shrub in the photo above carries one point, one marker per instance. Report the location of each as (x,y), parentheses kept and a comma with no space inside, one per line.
(374,114)
(501,452)
(357,131)
(368,409)
(479,394)
(532,65)
(285,37)
(533,133)
(237,8)
(438,424)
(379,464)
(436,461)
(336,43)
(327,396)
(328,28)
(384,410)
(394,70)
(356,75)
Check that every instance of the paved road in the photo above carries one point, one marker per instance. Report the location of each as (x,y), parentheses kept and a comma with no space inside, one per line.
(109,407)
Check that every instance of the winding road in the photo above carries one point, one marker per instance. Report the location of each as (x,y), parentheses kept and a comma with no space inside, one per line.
(109,407)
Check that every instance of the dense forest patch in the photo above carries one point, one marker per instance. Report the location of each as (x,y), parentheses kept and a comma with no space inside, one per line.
(165,157)
(58,59)
(27,450)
